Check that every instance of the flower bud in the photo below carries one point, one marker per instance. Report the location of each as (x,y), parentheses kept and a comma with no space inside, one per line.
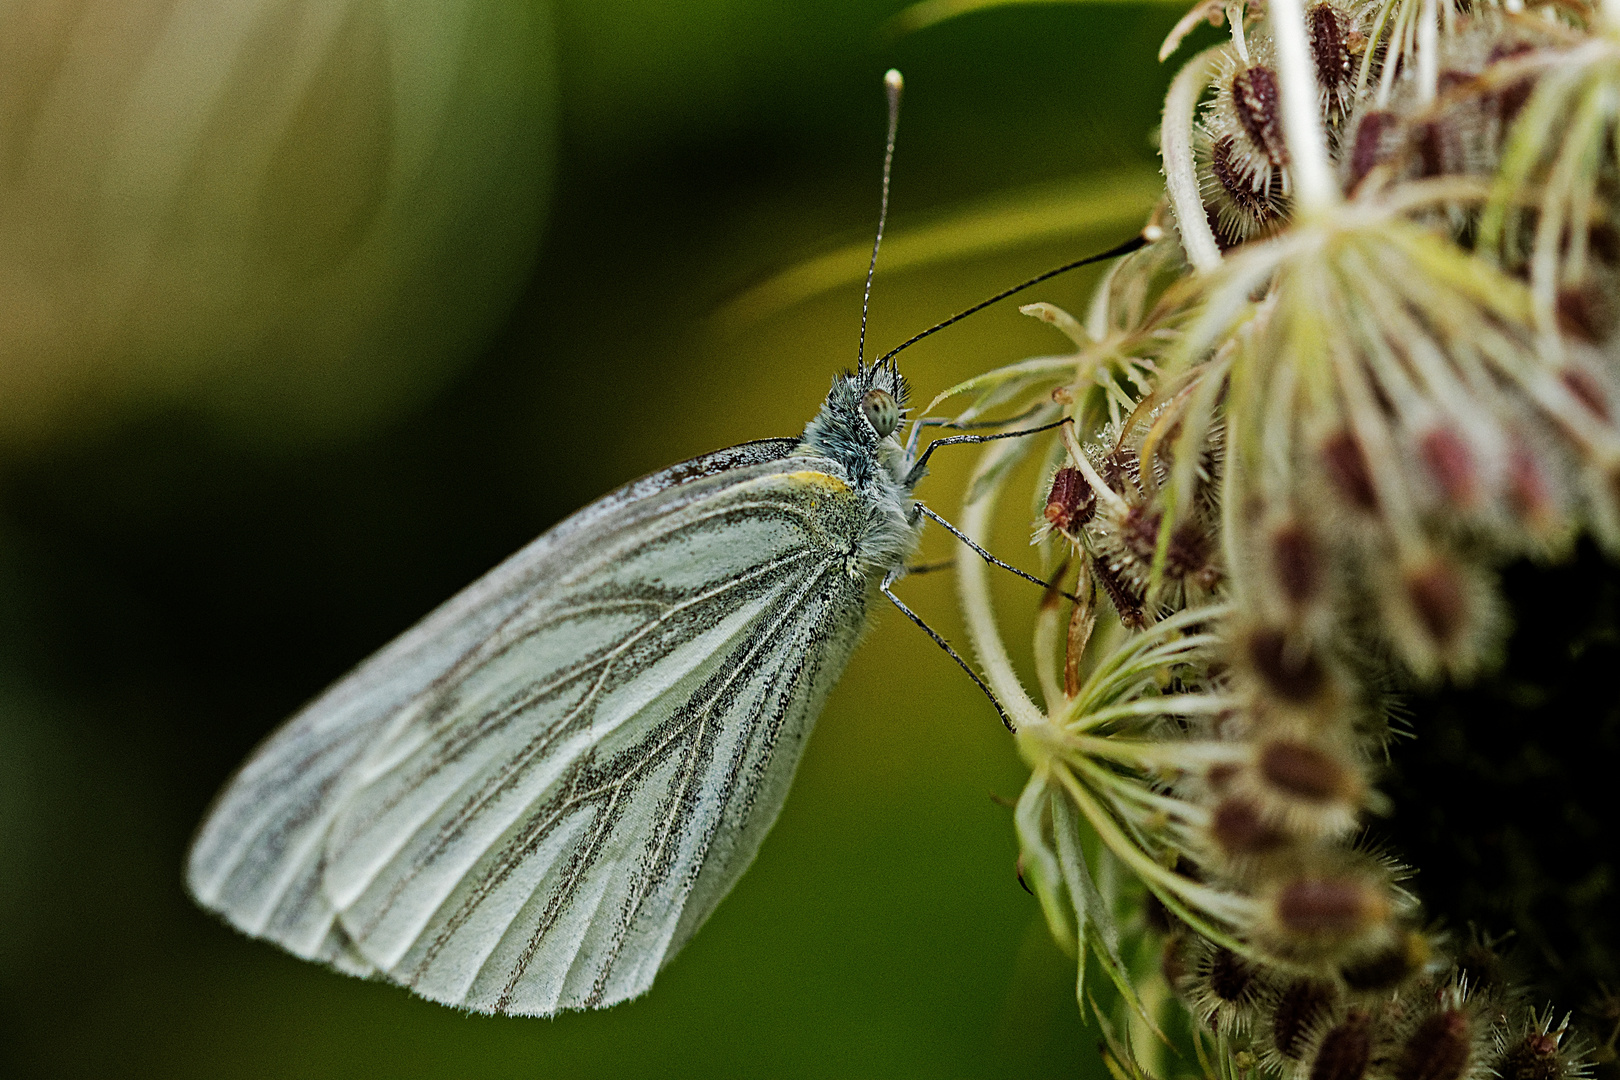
(1345,1049)
(1532,495)
(1441,614)
(1585,388)
(1439,1048)
(1305,772)
(1298,563)
(1451,465)
(1347,472)
(1326,916)
(1328,907)
(1071,503)
(1376,141)
(1238,829)
(1222,989)
(1288,672)
(1295,1013)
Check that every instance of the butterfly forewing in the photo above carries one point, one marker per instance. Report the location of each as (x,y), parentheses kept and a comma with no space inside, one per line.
(575,764)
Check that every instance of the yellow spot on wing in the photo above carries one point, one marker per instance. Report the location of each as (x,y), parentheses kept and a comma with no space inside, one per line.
(811,478)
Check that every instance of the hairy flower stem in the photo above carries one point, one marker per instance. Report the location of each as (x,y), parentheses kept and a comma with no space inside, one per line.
(1180,171)
(973,584)
(1315,192)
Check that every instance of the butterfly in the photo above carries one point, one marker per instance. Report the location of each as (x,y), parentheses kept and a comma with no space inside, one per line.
(530,800)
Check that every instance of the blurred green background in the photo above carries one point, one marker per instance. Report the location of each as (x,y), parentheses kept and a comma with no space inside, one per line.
(361,339)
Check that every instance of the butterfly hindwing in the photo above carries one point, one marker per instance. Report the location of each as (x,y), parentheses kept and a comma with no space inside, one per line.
(529,802)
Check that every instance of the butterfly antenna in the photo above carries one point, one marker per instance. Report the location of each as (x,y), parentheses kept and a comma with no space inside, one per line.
(1140,240)
(893,83)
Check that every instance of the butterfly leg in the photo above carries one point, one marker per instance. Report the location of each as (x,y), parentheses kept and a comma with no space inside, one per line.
(889,580)
(920,469)
(989,558)
(969,425)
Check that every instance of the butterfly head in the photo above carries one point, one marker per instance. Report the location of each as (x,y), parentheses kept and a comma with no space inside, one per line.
(857,424)
(883,398)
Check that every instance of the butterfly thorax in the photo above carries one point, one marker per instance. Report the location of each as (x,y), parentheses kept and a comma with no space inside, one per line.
(876,467)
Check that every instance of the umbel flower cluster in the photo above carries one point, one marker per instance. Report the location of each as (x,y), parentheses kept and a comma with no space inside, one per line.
(1368,355)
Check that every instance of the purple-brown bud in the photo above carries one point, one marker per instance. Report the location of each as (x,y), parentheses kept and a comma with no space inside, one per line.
(1347,470)
(1346,1049)
(1304,772)
(1295,677)
(1254,94)
(1372,144)
(1438,1049)
(1439,596)
(1071,503)
(1332,907)
(1451,463)
(1587,391)
(1298,562)
(1297,1011)
(1239,830)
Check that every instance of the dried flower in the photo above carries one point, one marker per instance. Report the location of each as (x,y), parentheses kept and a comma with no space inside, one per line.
(1387,364)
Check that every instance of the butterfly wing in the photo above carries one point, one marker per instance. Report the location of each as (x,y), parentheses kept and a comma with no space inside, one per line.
(257,857)
(530,801)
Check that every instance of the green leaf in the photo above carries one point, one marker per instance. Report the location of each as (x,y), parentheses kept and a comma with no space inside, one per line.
(1041,869)
(1117,1056)
(1095,925)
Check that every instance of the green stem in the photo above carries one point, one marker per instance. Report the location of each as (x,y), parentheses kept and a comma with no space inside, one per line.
(1223,906)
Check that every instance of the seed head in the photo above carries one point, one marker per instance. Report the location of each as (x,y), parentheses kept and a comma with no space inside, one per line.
(1238,210)
(1296,1010)
(1345,1049)
(1328,916)
(1439,1048)
(1223,989)
(1258,106)
(1533,1048)
(1442,615)
(1332,36)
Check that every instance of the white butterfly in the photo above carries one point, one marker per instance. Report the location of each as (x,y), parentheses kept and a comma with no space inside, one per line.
(529,801)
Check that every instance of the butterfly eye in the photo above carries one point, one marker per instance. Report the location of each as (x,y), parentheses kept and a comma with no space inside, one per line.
(881,412)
